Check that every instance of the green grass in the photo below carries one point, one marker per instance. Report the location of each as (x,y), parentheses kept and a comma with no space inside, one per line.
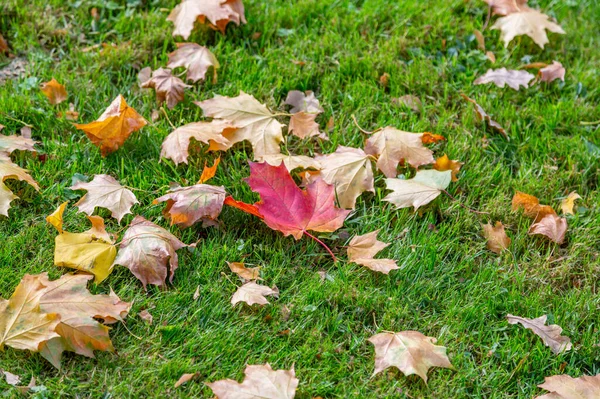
(449,285)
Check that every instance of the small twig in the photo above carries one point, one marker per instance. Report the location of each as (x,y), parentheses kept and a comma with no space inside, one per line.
(16,120)
(129,331)
(464,206)
(358,126)
(323,244)
(582,123)
(167,116)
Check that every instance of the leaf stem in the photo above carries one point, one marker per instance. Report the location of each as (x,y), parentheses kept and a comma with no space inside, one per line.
(358,126)
(322,244)
(583,123)
(464,206)
(167,116)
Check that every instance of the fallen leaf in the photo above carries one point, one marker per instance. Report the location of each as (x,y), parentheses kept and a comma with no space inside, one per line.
(188,205)
(147,317)
(384,79)
(409,351)
(430,138)
(491,56)
(8,144)
(292,162)
(287,208)
(480,39)
(168,88)
(552,72)
(196,59)
(409,101)
(260,382)
(496,237)
(567,387)
(254,122)
(54,91)
(114,126)
(531,206)
(505,7)
(104,191)
(144,75)
(551,226)
(444,163)
(549,334)
(483,116)
(3,45)
(568,203)
(11,379)
(209,171)
(303,102)
(176,145)
(303,125)
(23,389)
(145,250)
(252,293)
(362,251)
(248,208)
(391,146)
(91,251)
(501,77)
(185,378)
(71,114)
(418,191)
(197,293)
(217,12)
(246,273)
(531,23)
(349,170)
(9,170)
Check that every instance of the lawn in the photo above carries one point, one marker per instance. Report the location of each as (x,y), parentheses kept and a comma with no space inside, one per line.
(449,285)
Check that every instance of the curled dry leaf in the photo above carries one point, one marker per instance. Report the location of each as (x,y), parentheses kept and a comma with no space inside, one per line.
(9,170)
(8,144)
(292,162)
(362,251)
(552,72)
(409,351)
(185,378)
(176,145)
(253,293)
(196,59)
(549,334)
(54,91)
(218,13)
(497,240)
(566,387)
(146,316)
(168,88)
(254,122)
(391,146)
(530,22)
(551,226)
(501,77)
(483,116)
(114,126)
(531,206)
(418,191)
(444,163)
(349,170)
(568,203)
(145,250)
(505,7)
(188,205)
(260,382)
(105,191)
(92,251)
(246,273)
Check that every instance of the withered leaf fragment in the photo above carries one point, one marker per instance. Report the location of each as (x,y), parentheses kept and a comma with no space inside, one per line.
(497,240)
(253,293)
(188,205)
(552,72)
(568,203)
(246,273)
(9,170)
(105,191)
(114,126)
(551,226)
(195,58)
(145,250)
(168,88)
(409,351)
(483,116)
(260,382)
(501,77)
(54,91)
(362,251)
(444,163)
(549,334)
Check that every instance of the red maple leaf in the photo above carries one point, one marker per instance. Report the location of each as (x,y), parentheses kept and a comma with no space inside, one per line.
(287,208)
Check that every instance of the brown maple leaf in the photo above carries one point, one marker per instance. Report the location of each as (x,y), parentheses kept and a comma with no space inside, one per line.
(549,334)
(409,351)
(145,250)
(497,240)
(391,146)
(168,88)
(188,205)
(303,125)
(55,92)
(260,382)
(552,72)
(114,126)
(245,273)
(218,13)
(531,206)
(253,293)
(362,250)
(9,170)
(551,226)
(196,59)
(9,144)
(567,387)
(501,77)
(104,191)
